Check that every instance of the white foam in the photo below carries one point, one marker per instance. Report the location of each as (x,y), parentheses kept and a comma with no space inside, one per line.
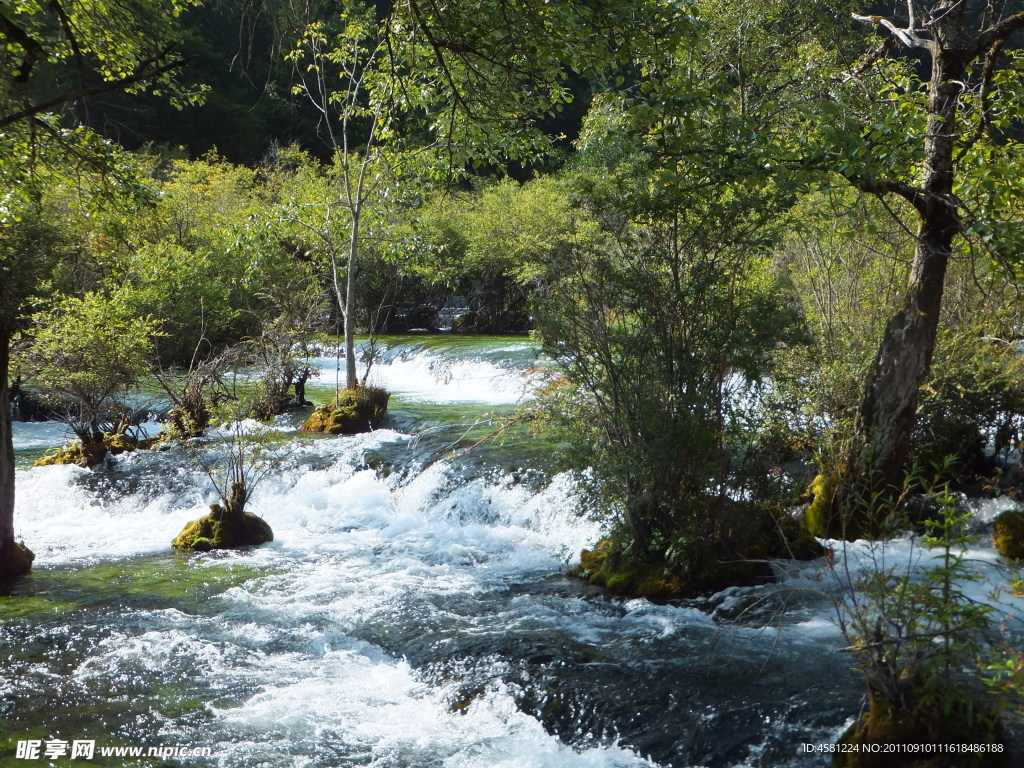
(434,377)
(361,705)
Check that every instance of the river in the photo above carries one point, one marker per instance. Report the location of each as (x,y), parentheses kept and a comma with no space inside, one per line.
(413,610)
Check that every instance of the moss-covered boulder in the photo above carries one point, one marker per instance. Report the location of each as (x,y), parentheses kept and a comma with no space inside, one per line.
(223,530)
(357,410)
(749,538)
(17,562)
(864,743)
(90,455)
(184,423)
(606,565)
(1008,534)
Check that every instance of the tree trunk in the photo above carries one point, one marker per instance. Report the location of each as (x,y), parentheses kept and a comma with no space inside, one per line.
(883,428)
(6,454)
(14,559)
(350,292)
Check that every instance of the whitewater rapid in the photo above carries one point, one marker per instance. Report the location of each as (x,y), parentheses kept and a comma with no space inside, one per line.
(411,612)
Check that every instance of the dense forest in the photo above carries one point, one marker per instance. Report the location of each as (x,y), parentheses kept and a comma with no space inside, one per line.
(766,256)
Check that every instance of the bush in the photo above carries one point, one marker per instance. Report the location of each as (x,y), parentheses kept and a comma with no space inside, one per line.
(920,641)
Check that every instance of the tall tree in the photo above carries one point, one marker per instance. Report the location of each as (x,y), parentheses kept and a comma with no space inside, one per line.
(54,54)
(941,147)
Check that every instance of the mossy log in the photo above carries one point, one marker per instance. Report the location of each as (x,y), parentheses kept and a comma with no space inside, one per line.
(222,529)
(357,410)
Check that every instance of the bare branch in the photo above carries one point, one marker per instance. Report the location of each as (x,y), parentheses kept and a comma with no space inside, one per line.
(985,119)
(908,36)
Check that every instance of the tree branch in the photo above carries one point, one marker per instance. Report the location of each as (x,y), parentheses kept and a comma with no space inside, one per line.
(985,120)
(33,50)
(913,195)
(147,70)
(879,53)
(908,36)
(998,32)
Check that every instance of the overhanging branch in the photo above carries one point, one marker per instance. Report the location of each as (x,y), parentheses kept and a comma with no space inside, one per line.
(147,70)
(998,32)
(908,36)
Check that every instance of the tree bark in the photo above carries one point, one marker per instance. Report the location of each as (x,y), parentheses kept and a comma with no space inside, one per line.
(883,428)
(15,560)
(350,295)
(6,454)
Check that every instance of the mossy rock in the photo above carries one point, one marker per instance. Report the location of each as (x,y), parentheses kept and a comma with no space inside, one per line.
(607,566)
(884,725)
(223,530)
(357,410)
(183,423)
(18,562)
(1008,534)
(749,537)
(92,454)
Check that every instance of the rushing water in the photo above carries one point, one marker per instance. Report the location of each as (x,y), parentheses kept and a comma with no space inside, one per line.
(411,612)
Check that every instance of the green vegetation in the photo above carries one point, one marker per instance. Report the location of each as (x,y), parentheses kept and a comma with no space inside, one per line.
(235,469)
(921,642)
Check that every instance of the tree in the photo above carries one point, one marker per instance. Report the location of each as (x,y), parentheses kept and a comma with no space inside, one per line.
(96,47)
(940,146)
(442,86)
(341,73)
(667,323)
(28,248)
(86,354)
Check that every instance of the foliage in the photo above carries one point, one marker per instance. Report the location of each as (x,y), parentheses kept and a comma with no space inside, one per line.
(85,354)
(208,258)
(846,260)
(122,44)
(662,330)
(918,636)
(235,465)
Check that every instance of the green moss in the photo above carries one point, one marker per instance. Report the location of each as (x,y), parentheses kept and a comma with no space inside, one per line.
(749,537)
(92,454)
(607,566)
(22,608)
(821,518)
(184,423)
(883,724)
(18,562)
(221,530)
(357,410)
(1008,534)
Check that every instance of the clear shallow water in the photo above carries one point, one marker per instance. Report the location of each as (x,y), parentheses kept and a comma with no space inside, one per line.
(411,612)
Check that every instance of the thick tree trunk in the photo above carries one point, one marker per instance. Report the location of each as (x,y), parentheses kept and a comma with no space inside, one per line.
(883,428)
